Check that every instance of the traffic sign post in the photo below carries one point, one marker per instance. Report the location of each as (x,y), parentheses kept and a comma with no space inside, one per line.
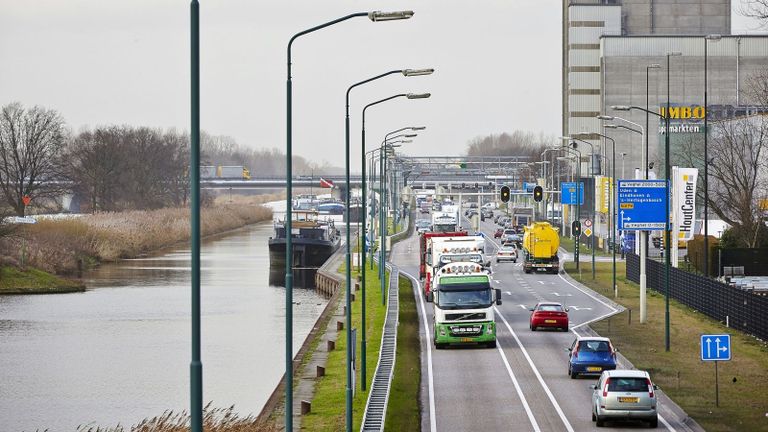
(642,205)
(716,348)
(568,191)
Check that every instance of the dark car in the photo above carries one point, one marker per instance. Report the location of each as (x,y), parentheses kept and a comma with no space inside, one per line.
(499,232)
(591,356)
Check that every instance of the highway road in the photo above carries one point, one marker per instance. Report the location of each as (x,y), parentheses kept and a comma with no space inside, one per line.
(521,384)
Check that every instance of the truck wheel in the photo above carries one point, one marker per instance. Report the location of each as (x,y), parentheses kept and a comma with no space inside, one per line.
(439,345)
(430,297)
(491,344)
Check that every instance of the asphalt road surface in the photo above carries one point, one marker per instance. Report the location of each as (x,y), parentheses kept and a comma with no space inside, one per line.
(522,384)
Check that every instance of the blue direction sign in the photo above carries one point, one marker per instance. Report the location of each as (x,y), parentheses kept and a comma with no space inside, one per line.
(715,347)
(528,187)
(642,204)
(569,193)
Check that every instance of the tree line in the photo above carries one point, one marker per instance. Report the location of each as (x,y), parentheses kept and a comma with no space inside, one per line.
(111,168)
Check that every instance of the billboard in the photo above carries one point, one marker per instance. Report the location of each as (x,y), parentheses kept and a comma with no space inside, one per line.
(684,201)
(603,189)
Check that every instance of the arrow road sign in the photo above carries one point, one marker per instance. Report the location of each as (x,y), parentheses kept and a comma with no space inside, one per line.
(716,347)
(569,192)
(642,204)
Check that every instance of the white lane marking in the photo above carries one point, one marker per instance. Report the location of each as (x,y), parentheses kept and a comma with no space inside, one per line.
(578,308)
(669,426)
(614,311)
(585,292)
(551,397)
(523,306)
(541,282)
(518,389)
(431,380)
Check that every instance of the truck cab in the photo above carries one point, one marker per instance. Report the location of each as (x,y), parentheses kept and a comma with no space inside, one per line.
(439,247)
(463,305)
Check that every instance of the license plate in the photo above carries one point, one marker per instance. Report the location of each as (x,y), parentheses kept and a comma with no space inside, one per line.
(550,321)
(466,339)
(624,399)
(594,369)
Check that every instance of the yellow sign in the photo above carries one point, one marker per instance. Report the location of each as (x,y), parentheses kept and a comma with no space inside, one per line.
(603,193)
(627,205)
(683,112)
(588,232)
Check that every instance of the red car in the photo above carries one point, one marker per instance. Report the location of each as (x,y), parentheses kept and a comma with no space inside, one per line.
(499,232)
(549,314)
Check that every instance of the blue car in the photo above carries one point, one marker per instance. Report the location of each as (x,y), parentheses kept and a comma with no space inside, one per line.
(591,356)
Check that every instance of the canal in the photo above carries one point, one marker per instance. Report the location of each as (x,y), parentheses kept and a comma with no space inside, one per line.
(119,352)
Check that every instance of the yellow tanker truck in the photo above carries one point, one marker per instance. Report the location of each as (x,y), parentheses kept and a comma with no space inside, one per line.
(540,244)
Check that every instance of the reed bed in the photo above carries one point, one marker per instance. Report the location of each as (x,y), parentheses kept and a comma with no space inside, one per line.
(64,246)
(214,420)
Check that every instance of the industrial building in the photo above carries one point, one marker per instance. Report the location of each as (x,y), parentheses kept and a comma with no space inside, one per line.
(615,53)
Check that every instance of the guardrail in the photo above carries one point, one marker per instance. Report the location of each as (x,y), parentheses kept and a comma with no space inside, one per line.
(376,406)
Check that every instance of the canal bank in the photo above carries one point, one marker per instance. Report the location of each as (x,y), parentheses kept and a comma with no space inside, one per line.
(319,366)
(119,352)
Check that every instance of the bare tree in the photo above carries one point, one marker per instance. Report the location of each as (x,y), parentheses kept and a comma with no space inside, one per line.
(755,9)
(31,144)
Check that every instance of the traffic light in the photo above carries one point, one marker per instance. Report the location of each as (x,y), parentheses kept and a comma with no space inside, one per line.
(576,228)
(538,193)
(505,194)
(463,185)
(476,185)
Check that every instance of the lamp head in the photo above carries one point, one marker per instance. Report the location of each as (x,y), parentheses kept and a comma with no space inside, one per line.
(417,72)
(411,135)
(713,37)
(674,54)
(654,66)
(605,117)
(620,107)
(418,128)
(418,95)
(389,16)
(566,138)
(611,126)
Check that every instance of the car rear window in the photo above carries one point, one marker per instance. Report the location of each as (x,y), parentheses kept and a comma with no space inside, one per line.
(551,308)
(594,346)
(619,384)
(509,231)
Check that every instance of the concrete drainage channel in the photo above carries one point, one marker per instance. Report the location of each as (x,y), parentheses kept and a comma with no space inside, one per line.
(376,407)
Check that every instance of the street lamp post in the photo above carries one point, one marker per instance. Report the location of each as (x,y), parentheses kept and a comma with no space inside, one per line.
(611,209)
(407,73)
(713,37)
(373,16)
(667,169)
(594,199)
(643,235)
(647,97)
(196,364)
(578,199)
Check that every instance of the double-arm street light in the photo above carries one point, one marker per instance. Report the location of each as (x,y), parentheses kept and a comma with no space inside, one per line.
(407,73)
(667,169)
(612,207)
(375,17)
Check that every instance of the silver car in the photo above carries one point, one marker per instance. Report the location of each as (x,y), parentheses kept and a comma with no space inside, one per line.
(507,253)
(624,395)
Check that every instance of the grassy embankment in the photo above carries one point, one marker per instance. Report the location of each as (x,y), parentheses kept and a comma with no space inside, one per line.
(687,380)
(33,281)
(584,249)
(403,410)
(329,400)
(66,246)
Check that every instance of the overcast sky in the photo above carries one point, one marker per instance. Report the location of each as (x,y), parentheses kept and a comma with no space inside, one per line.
(102,62)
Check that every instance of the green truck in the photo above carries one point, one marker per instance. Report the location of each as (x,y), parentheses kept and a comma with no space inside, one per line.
(463,305)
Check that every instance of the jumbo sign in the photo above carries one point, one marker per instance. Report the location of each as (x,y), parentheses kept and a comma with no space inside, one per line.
(683,112)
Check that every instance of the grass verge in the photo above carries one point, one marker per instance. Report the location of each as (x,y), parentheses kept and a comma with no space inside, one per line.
(687,380)
(584,249)
(33,281)
(403,413)
(328,404)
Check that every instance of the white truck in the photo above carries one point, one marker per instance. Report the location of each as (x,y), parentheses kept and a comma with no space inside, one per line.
(443,221)
(463,305)
(444,250)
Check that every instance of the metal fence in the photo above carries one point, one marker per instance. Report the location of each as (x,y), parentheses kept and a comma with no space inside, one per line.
(739,309)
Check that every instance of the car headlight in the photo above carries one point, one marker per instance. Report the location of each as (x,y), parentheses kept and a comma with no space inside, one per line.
(442,331)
